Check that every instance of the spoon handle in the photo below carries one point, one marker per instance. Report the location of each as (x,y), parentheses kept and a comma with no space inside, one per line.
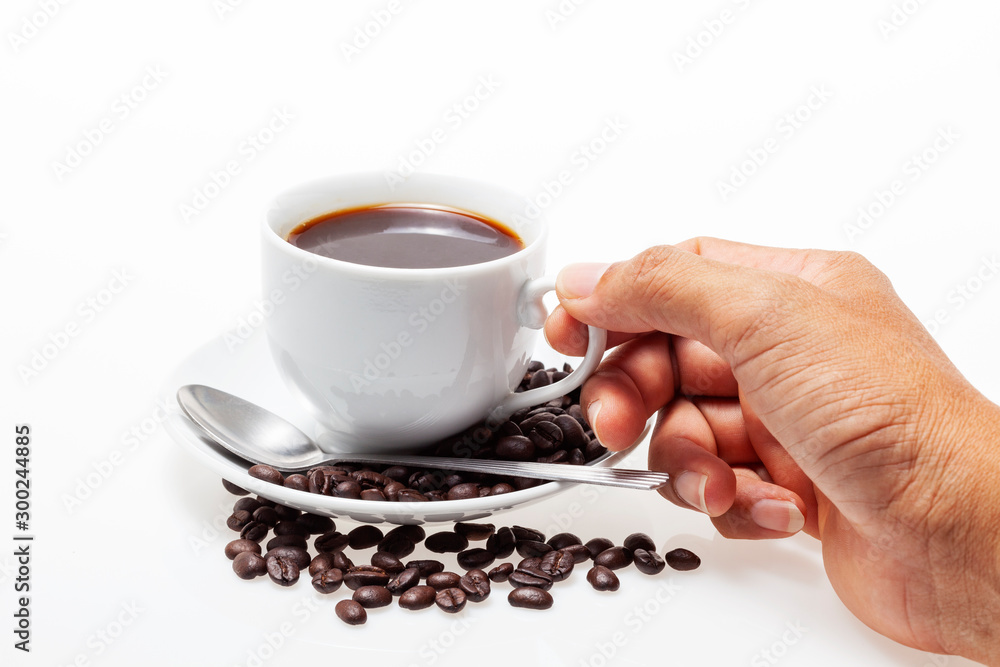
(619,477)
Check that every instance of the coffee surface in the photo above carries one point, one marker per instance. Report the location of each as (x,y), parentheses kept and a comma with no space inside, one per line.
(406,237)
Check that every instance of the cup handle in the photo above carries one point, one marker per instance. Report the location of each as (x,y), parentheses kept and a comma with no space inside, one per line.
(532,313)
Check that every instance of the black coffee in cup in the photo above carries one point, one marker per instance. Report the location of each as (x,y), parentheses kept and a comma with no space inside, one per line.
(406,236)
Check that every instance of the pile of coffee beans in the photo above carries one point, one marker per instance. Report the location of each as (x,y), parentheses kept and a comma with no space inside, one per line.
(421,583)
(555,432)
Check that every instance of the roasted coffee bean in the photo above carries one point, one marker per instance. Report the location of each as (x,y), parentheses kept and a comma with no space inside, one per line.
(475,558)
(576,457)
(639,541)
(328,581)
(348,489)
(396,473)
(648,562)
(321,561)
(398,545)
(603,579)
(614,558)
(323,481)
(534,366)
(475,532)
(404,581)
(597,545)
(508,428)
(516,448)
(287,541)
(238,519)
(331,542)
(387,562)
(501,488)
(530,598)
(290,528)
(579,552)
(530,562)
(266,502)
(446,542)
(501,544)
(563,540)
(315,524)
(372,494)
(530,577)
(426,567)
(532,549)
(442,580)
(249,565)
(576,412)
(247,505)
(412,532)
(296,555)
(371,597)
(297,482)
(539,379)
(364,537)
(391,491)
(451,600)
(266,516)
(476,585)
(233,489)
(424,481)
(255,531)
(341,561)
(522,533)
(351,612)
(365,575)
(436,495)
(463,491)
(546,436)
(558,564)
(236,547)
(367,478)
(411,496)
(574,436)
(453,479)
(267,474)
(418,597)
(593,450)
(560,456)
(286,513)
(536,417)
(682,559)
(283,571)
(501,572)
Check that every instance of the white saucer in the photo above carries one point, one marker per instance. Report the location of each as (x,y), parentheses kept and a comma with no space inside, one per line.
(245,368)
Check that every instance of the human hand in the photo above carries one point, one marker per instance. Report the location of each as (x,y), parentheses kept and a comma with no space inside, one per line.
(796,391)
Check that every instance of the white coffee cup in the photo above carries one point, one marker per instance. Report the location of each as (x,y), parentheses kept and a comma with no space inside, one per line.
(389,358)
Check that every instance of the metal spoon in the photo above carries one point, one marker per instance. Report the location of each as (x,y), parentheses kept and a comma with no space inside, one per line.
(260,436)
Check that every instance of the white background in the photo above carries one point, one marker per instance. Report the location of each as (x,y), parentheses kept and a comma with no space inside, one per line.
(120,554)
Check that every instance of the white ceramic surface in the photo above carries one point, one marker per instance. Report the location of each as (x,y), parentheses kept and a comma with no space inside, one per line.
(390,358)
(247,370)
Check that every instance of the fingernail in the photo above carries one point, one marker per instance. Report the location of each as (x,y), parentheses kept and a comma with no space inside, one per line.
(690,486)
(592,411)
(780,515)
(579,280)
